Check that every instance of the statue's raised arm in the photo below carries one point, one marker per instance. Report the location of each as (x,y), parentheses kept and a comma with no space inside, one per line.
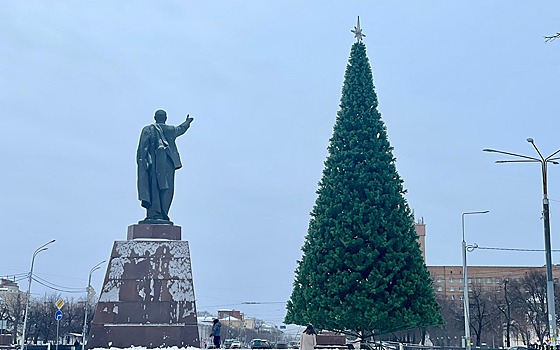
(182,128)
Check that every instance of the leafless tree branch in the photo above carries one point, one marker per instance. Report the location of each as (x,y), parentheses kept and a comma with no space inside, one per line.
(552,37)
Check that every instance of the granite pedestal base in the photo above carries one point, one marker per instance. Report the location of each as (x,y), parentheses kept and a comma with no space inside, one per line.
(147,297)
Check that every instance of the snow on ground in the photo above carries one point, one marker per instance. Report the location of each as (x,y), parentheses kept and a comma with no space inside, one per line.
(143,348)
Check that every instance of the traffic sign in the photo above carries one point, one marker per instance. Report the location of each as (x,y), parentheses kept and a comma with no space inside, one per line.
(59,303)
(58,315)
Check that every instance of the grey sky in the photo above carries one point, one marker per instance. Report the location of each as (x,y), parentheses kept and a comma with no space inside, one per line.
(263,79)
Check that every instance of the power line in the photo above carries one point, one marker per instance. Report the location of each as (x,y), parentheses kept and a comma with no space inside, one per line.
(35,277)
(56,287)
(20,279)
(262,302)
(17,274)
(512,249)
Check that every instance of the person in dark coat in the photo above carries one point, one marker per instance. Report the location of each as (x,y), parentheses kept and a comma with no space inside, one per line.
(216,328)
(157,158)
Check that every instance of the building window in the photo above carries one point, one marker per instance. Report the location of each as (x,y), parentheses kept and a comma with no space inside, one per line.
(451,280)
(438,280)
(479,280)
(460,297)
(460,280)
(498,280)
(452,297)
(461,289)
(451,289)
(488,280)
(470,289)
(440,289)
(469,280)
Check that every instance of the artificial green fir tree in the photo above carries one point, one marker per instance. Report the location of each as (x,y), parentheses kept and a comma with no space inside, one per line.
(362,270)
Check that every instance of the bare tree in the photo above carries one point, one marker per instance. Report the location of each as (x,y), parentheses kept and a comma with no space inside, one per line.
(505,307)
(4,314)
(531,292)
(451,332)
(73,319)
(482,311)
(14,306)
(41,321)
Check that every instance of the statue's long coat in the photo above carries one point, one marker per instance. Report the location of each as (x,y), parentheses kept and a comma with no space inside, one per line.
(157,142)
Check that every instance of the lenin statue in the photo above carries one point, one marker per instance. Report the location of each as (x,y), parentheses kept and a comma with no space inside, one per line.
(157,159)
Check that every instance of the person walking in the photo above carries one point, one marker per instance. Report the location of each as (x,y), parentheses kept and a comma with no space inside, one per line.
(308,339)
(216,328)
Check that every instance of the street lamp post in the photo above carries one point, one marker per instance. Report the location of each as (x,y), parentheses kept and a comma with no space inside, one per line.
(546,221)
(229,324)
(37,251)
(465,284)
(84,331)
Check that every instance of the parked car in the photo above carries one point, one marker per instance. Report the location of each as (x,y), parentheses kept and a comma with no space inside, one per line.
(227,343)
(281,345)
(236,344)
(517,347)
(260,344)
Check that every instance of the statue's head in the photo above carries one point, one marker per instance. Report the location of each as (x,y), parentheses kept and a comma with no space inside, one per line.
(160,116)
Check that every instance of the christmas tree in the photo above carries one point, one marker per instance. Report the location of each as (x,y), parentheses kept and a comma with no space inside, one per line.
(362,270)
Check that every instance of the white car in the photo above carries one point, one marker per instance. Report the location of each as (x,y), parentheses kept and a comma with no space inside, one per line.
(235,345)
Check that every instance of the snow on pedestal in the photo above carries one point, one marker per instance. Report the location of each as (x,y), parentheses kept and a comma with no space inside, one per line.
(147,297)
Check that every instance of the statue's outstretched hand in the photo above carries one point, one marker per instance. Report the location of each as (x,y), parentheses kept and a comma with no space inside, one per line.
(189,119)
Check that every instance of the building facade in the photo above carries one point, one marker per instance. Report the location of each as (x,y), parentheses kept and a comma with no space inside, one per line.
(448,280)
(448,284)
(8,287)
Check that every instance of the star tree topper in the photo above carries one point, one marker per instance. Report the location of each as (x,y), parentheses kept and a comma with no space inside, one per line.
(358,32)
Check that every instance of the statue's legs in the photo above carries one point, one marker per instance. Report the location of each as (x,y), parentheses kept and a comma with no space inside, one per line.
(167,195)
(154,212)
(161,197)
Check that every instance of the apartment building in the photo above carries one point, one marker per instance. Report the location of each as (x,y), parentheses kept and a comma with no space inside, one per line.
(448,280)
(8,287)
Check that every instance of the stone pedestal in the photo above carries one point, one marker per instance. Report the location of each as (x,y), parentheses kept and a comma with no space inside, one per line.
(147,297)
(139,232)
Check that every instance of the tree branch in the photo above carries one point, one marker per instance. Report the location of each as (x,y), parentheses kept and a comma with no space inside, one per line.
(552,37)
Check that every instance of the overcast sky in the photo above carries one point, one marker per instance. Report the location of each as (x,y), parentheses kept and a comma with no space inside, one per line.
(263,80)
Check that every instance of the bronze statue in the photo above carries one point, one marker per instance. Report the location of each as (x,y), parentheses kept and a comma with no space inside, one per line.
(157,159)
